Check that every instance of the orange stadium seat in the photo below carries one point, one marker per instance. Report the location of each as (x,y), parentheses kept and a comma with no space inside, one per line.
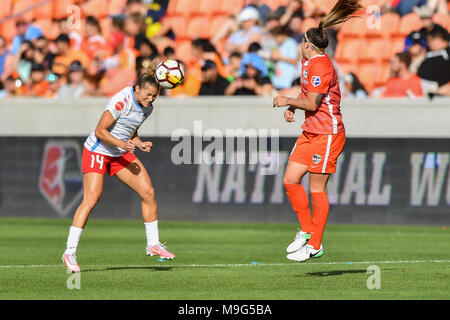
(8,29)
(187,7)
(368,73)
(348,50)
(5,8)
(183,51)
(325,5)
(217,23)
(441,19)
(397,45)
(96,8)
(308,23)
(206,7)
(375,50)
(116,6)
(346,67)
(408,24)
(383,74)
(44,11)
(178,25)
(164,43)
(61,8)
(49,28)
(389,24)
(355,28)
(198,27)
(232,6)
(21,6)
(171,8)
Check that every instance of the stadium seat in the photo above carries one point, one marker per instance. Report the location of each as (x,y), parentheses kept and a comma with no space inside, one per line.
(216,23)
(206,7)
(96,8)
(397,45)
(408,24)
(61,8)
(183,51)
(178,25)
(44,11)
(164,43)
(232,6)
(389,24)
(376,50)
(346,67)
(198,27)
(308,23)
(171,8)
(441,19)
(325,5)
(116,6)
(368,73)
(8,29)
(348,50)
(23,5)
(187,7)
(383,75)
(355,28)
(5,8)
(46,26)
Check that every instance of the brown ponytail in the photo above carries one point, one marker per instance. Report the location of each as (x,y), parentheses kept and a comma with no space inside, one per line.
(148,77)
(342,11)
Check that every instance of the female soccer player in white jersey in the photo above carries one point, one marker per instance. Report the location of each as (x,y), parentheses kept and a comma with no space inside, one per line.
(110,149)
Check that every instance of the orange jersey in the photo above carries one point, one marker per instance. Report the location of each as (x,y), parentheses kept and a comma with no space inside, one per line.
(398,87)
(318,75)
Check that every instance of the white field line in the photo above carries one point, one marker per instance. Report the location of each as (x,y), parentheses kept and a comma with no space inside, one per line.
(168,264)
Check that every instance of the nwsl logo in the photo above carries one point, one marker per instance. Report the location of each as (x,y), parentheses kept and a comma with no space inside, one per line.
(315,80)
(60,180)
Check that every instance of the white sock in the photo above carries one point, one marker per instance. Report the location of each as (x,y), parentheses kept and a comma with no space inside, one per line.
(152,233)
(73,239)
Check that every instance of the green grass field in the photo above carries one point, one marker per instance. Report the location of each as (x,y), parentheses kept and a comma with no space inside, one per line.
(222,261)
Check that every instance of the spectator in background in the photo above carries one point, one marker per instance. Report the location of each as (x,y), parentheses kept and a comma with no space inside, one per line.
(295,27)
(402,82)
(135,28)
(263,9)
(213,84)
(254,80)
(42,53)
(285,58)
(3,92)
(25,31)
(55,84)
(435,68)
(416,46)
(23,60)
(234,65)
(38,84)
(6,59)
(74,87)
(294,7)
(353,87)
(11,87)
(249,31)
(75,38)
(267,42)
(426,15)
(135,7)
(94,44)
(403,7)
(65,55)
(147,51)
(202,49)
(122,56)
(169,53)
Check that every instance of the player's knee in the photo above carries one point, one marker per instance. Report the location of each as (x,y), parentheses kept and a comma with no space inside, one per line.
(92,200)
(148,195)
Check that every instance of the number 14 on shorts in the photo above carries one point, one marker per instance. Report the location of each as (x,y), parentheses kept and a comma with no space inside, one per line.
(97,158)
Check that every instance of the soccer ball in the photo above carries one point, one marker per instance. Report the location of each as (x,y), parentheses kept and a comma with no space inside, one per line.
(169,74)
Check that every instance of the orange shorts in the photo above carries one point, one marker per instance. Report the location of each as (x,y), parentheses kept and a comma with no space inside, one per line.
(99,163)
(318,151)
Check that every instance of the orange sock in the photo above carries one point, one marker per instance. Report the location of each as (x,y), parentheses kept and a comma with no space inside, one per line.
(320,208)
(300,203)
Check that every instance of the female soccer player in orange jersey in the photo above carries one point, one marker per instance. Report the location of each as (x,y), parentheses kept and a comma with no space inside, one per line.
(110,149)
(322,141)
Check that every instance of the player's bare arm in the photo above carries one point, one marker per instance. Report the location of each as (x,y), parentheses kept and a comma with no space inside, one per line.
(143,146)
(310,103)
(101,132)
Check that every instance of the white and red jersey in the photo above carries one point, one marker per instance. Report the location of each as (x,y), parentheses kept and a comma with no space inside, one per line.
(318,75)
(129,116)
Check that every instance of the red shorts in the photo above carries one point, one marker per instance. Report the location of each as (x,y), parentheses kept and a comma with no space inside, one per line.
(318,151)
(99,163)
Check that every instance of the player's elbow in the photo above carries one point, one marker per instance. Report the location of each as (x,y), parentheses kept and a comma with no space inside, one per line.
(99,133)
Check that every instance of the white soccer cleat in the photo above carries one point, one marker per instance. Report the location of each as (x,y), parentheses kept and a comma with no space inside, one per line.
(159,250)
(306,253)
(71,262)
(300,240)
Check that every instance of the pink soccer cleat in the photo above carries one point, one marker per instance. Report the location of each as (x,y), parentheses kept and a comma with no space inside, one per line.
(159,250)
(71,262)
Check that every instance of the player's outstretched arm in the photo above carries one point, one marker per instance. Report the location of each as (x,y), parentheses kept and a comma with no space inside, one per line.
(143,146)
(310,103)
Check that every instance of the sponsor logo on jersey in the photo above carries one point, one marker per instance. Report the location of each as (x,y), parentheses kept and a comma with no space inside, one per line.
(119,106)
(60,179)
(315,81)
(316,158)
(305,73)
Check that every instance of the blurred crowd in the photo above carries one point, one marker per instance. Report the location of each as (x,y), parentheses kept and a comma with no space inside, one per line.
(255,52)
